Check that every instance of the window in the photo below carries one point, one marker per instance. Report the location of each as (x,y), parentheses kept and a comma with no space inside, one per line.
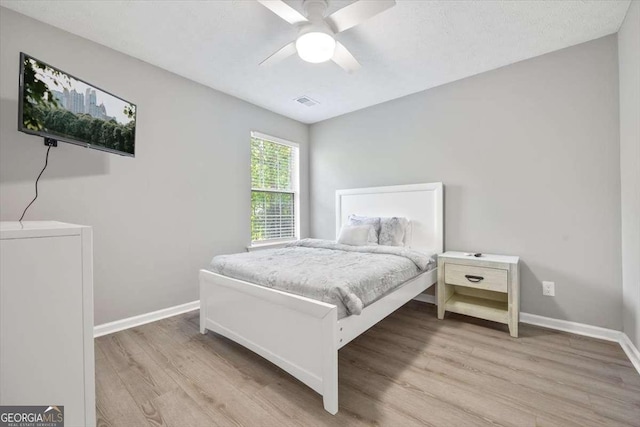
(274,189)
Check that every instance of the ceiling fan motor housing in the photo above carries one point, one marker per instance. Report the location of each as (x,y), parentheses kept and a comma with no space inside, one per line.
(315,10)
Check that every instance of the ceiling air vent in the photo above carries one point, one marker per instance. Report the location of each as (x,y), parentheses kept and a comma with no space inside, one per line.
(305,100)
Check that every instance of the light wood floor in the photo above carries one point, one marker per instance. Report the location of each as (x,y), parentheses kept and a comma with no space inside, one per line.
(410,369)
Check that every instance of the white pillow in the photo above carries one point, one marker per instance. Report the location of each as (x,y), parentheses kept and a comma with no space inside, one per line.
(355,235)
(392,231)
(365,220)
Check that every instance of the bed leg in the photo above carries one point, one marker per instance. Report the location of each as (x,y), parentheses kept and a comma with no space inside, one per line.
(331,404)
(203,316)
(203,330)
(330,384)
(330,362)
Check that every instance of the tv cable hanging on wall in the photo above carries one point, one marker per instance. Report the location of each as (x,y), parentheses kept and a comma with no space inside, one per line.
(49,142)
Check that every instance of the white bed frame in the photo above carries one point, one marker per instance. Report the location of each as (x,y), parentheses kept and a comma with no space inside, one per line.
(302,335)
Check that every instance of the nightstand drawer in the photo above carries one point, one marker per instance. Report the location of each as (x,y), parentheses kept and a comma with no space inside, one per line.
(491,279)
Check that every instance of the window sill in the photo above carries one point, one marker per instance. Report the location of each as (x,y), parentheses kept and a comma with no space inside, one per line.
(269,245)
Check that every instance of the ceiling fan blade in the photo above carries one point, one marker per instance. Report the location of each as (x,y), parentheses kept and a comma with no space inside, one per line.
(356,13)
(284,11)
(344,59)
(283,53)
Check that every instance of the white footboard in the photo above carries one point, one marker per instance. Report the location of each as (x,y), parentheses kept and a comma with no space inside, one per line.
(298,334)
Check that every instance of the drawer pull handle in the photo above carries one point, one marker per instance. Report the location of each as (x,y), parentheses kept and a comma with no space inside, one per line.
(474,279)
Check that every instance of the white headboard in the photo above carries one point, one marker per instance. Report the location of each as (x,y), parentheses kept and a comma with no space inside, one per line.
(420,203)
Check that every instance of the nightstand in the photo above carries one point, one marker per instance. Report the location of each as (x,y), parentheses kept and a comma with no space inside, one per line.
(487,287)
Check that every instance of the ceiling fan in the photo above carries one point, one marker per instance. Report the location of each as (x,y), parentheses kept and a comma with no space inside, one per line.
(316,33)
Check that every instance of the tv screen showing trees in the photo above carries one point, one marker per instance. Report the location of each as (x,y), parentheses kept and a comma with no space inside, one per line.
(57,105)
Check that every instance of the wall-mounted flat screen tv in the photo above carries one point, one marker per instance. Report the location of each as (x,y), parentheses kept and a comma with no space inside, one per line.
(56,105)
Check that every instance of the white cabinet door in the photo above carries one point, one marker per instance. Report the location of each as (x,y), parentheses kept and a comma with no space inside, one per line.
(41,324)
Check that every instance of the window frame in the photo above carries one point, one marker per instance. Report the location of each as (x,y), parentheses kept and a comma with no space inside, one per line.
(295,179)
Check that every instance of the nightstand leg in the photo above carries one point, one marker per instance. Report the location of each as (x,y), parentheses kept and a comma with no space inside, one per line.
(514,300)
(513,328)
(444,293)
(440,290)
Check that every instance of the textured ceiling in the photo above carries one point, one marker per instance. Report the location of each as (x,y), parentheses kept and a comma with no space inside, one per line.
(411,47)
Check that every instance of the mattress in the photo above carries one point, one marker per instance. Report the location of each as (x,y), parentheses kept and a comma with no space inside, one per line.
(350,277)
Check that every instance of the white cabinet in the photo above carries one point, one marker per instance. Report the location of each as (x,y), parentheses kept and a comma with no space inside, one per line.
(46,318)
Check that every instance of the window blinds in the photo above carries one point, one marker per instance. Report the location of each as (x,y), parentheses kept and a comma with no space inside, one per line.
(273,190)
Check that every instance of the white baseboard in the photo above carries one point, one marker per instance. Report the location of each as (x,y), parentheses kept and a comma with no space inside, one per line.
(574,328)
(130,322)
(632,351)
(587,330)
(571,327)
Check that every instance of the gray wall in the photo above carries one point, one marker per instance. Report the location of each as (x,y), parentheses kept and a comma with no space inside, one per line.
(529,155)
(629,57)
(157,218)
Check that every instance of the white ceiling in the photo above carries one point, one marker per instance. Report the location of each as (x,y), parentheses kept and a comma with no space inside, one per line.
(411,47)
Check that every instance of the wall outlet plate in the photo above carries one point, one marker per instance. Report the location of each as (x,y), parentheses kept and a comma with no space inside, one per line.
(549,289)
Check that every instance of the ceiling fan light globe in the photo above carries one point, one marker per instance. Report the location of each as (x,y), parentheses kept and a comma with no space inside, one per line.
(316,47)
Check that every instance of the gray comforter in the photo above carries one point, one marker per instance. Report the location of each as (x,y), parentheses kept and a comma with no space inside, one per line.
(351,277)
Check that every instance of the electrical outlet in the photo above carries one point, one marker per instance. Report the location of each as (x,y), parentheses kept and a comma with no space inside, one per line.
(549,289)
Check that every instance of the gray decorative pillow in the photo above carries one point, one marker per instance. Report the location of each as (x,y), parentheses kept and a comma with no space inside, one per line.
(392,231)
(365,220)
